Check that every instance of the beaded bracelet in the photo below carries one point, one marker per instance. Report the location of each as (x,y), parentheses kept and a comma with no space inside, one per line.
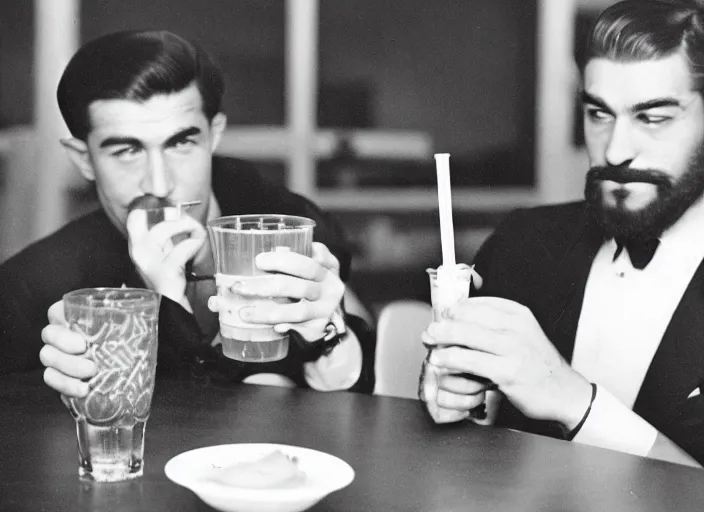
(569,435)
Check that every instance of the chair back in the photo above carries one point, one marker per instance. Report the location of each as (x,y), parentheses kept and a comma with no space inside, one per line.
(399,351)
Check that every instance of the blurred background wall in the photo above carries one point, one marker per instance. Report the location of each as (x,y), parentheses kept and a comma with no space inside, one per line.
(342,100)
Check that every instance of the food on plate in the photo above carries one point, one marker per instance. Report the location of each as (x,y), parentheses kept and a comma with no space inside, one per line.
(275,470)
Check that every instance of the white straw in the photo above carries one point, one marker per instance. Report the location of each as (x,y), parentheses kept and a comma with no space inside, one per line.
(447,233)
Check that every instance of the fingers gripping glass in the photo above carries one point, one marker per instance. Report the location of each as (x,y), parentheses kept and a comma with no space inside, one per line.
(445,291)
(236,241)
(121,329)
(160,209)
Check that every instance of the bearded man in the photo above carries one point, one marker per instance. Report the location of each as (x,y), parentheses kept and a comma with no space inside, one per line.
(590,320)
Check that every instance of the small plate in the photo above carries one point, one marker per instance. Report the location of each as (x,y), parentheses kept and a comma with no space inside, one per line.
(324,474)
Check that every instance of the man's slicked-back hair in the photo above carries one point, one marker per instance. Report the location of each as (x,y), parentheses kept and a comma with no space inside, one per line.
(134,65)
(639,30)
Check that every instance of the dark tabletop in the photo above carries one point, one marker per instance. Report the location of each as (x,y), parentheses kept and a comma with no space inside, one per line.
(402,461)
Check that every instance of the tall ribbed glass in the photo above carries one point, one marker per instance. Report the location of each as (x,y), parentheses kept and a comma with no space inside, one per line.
(120,326)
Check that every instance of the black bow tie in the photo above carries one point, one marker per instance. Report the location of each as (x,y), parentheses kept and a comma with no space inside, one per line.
(640,251)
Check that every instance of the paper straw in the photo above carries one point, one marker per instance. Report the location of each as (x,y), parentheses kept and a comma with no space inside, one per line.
(447,232)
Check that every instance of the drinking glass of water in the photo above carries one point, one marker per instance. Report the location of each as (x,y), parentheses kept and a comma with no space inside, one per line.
(120,326)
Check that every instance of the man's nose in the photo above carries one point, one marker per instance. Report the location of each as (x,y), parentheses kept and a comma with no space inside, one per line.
(621,147)
(157,179)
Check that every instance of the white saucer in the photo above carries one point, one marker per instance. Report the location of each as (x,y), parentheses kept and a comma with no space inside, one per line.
(324,474)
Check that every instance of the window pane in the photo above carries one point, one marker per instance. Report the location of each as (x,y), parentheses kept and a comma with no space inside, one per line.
(462,71)
(245,37)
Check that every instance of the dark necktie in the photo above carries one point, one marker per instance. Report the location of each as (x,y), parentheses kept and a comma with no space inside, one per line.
(639,251)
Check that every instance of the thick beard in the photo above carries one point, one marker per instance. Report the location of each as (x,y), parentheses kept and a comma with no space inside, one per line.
(672,201)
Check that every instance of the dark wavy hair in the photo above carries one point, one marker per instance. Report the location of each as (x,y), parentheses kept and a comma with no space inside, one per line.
(134,65)
(637,30)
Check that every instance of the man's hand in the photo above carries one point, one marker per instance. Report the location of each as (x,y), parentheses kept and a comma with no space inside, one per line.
(160,263)
(502,341)
(448,397)
(64,355)
(315,281)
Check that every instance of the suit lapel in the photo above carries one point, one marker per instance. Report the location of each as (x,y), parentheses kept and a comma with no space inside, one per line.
(677,367)
(556,280)
(112,265)
(573,263)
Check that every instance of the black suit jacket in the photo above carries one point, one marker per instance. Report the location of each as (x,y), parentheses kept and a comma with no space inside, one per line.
(541,258)
(90,252)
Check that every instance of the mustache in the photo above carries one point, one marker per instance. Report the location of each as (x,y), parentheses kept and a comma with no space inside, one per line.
(623,174)
(148,201)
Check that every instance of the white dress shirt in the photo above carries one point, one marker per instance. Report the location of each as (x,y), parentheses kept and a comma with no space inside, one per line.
(624,316)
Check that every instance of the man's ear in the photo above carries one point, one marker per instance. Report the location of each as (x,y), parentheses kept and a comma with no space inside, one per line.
(78,153)
(217,127)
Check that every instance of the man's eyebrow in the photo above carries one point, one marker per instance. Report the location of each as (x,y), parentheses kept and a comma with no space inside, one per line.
(656,103)
(638,107)
(594,100)
(120,141)
(182,134)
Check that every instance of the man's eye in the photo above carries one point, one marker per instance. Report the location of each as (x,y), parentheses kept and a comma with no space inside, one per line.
(597,115)
(183,143)
(653,120)
(126,152)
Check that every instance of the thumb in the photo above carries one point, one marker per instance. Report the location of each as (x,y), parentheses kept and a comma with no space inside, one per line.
(56,314)
(477,280)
